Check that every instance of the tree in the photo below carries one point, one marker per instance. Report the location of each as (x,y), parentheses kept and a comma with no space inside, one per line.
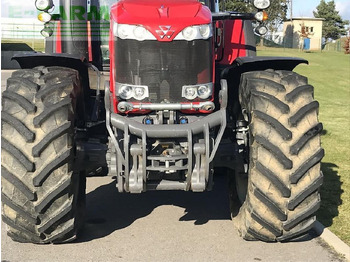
(347,45)
(333,25)
(277,11)
(277,14)
(238,6)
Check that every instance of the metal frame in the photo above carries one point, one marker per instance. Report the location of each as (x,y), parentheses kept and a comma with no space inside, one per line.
(122,128)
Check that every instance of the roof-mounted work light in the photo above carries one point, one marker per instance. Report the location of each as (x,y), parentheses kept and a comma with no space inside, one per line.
(261,4)
(261,30)
(44,17)
(44,5)
(47,31)
(261,16)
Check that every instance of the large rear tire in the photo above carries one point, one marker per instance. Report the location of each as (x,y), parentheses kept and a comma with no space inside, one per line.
(284,156)
(42,196)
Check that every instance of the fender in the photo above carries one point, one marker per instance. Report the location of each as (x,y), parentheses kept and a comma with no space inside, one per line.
(33,59)
(232,74)
(77,62)
(257,63)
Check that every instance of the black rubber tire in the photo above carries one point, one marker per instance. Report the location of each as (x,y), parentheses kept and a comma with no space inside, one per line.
(42,198)
(284,156)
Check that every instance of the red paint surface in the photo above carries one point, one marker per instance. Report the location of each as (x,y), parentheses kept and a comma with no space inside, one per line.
(234,45)
(178,14)
(89,40)
(112,69)
(58,38)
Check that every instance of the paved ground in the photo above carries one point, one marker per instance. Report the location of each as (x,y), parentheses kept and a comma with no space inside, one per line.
(162,226)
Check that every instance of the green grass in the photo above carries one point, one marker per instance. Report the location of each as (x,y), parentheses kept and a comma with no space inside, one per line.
(329,73)
(338,45)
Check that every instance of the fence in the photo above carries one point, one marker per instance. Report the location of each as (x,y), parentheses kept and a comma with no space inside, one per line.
(337,45)
(312,44)
(22,31)
(316,44)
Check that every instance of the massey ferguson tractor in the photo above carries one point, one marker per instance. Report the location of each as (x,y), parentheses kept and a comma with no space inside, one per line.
(157,94)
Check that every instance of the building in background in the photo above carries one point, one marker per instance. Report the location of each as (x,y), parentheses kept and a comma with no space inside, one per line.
(303,33)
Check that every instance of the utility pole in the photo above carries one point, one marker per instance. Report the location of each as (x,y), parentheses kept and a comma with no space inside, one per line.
(290,3)
(290,7)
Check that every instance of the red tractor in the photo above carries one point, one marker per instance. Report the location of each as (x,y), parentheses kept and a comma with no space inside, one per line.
(186,95)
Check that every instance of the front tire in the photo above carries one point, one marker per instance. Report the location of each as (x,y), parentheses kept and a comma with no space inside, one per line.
(41,193)
(284,156)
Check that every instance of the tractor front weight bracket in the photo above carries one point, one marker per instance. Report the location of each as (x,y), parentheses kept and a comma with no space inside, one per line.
(131,160)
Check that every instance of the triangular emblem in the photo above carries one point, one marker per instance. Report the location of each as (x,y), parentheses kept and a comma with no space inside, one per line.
(165,31)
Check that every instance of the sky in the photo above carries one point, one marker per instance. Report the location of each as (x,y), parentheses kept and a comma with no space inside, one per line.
(304,8)
(301,8)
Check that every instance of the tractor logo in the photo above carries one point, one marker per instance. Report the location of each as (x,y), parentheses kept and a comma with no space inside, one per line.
(165,31)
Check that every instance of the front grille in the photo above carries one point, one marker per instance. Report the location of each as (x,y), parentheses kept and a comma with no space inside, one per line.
(165,67)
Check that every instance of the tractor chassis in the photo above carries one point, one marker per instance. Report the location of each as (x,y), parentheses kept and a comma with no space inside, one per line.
(129,148)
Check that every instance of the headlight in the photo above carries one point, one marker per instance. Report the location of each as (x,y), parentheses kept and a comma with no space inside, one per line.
(189,92)
(135,32)
(140,33)
(43,5)
(202,91)
(123,31)
(205,31)
(47,31)
(261,4)
(140,92)
(191,33)
(125,91)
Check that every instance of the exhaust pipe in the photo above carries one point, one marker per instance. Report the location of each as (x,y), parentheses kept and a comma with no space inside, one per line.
(74,30)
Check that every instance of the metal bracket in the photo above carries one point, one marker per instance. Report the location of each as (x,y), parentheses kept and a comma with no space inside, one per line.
(198,179)
(96,110)
(136,184)
(242,133)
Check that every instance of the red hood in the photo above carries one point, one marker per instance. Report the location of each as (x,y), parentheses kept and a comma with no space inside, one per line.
(152,14)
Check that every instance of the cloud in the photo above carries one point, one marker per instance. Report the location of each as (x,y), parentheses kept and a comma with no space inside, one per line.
(344,9)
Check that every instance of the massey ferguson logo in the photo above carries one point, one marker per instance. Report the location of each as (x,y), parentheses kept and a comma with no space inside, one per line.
(165,31)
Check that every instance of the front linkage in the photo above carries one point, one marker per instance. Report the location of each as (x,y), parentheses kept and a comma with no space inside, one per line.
(176,156)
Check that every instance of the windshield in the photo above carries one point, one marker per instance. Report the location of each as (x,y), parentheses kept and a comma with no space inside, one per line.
(99,17)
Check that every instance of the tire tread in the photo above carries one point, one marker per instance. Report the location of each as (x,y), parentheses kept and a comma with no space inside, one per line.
(284,175)
(17,124)
(41,200)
